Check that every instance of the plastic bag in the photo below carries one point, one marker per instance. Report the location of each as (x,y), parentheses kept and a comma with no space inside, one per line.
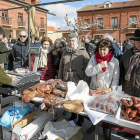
(14,113)
(107,103)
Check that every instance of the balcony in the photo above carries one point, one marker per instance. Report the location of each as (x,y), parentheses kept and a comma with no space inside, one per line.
(43,26)
(6,22)
(21,24)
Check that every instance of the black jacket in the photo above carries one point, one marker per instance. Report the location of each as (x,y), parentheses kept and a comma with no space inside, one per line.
(90,48)
(131,87)
(20,54)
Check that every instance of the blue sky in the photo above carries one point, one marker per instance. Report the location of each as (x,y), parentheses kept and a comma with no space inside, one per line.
(69,8)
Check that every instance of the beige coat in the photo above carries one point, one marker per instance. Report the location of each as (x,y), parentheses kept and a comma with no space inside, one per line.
(79,60)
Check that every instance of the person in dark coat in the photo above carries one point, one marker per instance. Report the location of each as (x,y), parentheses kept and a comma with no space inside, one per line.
(58,47)
(130,68)
(90,47)
(45,63)
(3,49)
(20,51)
(126,46)
(37,42)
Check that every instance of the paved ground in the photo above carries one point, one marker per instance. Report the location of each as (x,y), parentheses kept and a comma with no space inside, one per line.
(87,124)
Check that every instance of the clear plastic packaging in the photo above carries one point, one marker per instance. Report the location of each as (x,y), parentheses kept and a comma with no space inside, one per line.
(107,103)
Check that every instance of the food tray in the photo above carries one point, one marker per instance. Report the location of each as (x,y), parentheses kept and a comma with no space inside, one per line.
(125,123)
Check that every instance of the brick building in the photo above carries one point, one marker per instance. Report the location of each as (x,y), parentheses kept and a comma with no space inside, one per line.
(114,16)
(12,21)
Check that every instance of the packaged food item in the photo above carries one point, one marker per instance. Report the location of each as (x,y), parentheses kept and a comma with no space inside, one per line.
(107,103)
(28,97)
(60,93)
(45,88)
(26,92)
(62,86)
(36,86)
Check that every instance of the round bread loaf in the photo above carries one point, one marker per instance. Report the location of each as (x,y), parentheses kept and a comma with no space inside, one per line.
(73,106)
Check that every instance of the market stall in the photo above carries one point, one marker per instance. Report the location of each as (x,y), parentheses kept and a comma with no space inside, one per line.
(98,105)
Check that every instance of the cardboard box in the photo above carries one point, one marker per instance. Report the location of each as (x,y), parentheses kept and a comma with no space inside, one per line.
(25,128)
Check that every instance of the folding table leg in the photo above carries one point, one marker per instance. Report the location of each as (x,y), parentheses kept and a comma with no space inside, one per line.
(96,131)
(110,131)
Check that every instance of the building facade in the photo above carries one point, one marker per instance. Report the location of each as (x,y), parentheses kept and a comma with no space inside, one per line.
(58,33)
(113,18)
(12,21)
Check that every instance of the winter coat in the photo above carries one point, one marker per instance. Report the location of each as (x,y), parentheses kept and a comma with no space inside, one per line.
(48,71)
(126,47)
(131,87)
(90,48)
(4,78)
(56,59)
(73,64)
(3,53)
(107,79)
(117,53)
(38,44)
(20,54)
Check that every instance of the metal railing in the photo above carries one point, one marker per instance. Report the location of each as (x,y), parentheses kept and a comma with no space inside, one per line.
(21,23)
(6,21)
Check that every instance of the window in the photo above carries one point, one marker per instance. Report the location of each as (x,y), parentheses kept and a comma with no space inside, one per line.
(4,15)
(133,18)
(107,5)
(100,23)
(87,21)
(114,22)
(42,22)
(20,17)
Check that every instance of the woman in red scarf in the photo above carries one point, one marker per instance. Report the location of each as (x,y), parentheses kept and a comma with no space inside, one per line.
(103,67)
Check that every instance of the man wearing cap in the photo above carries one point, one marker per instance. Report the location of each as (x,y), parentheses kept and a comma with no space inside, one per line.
(37,42)
(130,68)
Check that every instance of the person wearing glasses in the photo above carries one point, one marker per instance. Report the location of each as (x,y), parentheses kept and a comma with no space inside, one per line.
(20,51)
(58,47)
(45,63)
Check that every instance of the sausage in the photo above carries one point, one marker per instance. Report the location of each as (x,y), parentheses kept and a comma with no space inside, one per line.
(95,103)
(123,107)
(133,114)
(137,105)
(138,121)
(128,110)
(127,103)
(108,105)
(135,100)
(139,112)
(123,112)
(135,119)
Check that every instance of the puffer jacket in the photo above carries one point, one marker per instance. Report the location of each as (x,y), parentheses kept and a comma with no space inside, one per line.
(107,79)
(131,87)
(73,64)
(117,52)
(20,54)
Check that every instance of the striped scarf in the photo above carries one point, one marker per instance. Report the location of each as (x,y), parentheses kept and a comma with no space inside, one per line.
(134,60)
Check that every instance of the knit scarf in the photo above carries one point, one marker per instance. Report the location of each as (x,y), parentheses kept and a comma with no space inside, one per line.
(134,60)
(100,58)
(43,60)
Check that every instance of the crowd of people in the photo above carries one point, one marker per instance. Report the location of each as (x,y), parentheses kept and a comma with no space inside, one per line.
(101,64)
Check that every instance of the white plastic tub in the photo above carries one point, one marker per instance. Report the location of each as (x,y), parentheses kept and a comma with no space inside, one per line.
(125,123)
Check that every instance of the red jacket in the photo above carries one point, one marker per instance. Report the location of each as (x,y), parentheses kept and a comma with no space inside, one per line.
(48,71)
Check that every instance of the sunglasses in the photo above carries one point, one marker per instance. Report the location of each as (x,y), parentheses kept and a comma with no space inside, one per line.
(22,36)
(58,48)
